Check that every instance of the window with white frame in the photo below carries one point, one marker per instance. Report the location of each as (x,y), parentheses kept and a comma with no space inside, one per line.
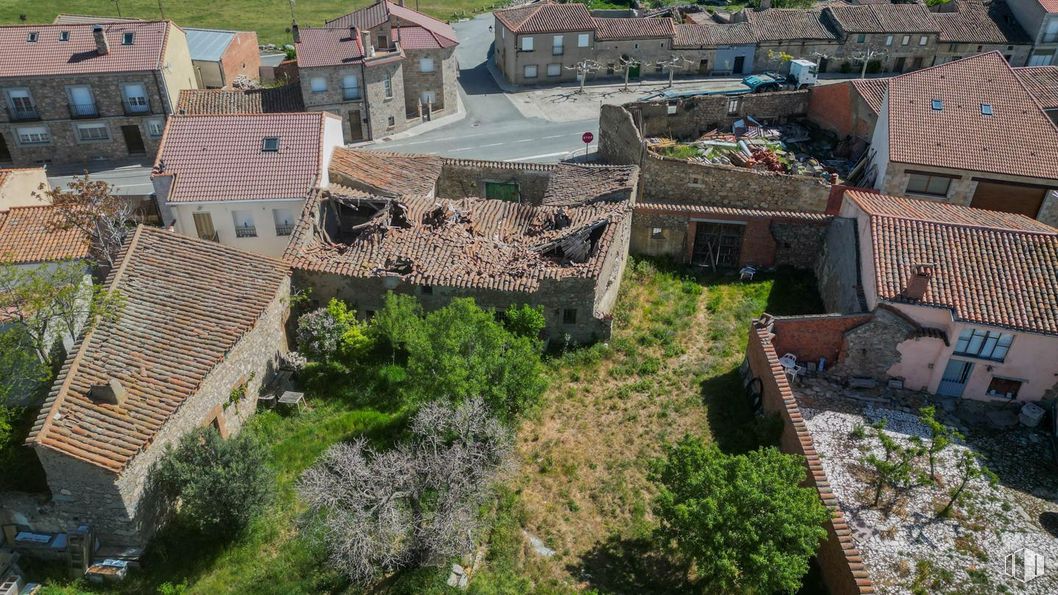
(527,44)
(318,84)
(583,40)
(244,224)
(906,40)
(92,132)
(888,40)
(554,70)
(135,97)
(923,40)
(426,64)
(529,71)
(990,345)
(155,127)
(284,221)
(350,87)
(82,103)
(929,184)
(21,103)
(34,135)
(556,45)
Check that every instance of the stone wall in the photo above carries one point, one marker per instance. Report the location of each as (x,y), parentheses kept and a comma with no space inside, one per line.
(120,507)
(619,140)
(242,57)
(441,81)
(813,337)
(797,243)
(837,268)
(696,115)
(463,178)
(839,560)
(871,349)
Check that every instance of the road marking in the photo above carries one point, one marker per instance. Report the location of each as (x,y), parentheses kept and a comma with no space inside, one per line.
(525,140)
(553,136)
(492,145)
(548,155)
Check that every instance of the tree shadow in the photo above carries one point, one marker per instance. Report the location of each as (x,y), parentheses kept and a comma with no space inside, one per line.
(620,565)
(793,292)
(1049,522)
(735,427)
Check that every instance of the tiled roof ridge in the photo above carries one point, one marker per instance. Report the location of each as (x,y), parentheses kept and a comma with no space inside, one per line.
(779,214)
(865,204)
(102,22)
(317,115)
(519,165)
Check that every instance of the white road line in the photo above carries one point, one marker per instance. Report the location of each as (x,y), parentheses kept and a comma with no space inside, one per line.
(525,140)
(491,145)
(553,136)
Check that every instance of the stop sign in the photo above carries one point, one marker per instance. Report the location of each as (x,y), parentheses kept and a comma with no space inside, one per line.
(587,137)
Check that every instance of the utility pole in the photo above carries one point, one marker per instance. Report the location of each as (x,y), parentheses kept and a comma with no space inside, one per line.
(628,64)
(583,69)
(672,64)
(161,9)
(117,7)
(866,56)
(292,17)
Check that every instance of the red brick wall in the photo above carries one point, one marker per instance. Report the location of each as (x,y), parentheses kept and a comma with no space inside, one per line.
(813,337)
(839,560)
(830,106)
(241,57)
(758,243)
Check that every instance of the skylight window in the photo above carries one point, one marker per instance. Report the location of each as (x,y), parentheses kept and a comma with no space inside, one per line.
(938,105)
(986,109)
(270,144)
(32,37)
(64,36)
(128,38)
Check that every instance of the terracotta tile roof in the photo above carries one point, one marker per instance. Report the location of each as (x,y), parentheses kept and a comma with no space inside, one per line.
(370,17)
(421,38)
(385,174)
(48,56)
(4,174)
(327,47)
(989,268)
(972,22)
(1042,82)
(30,235)
(1049,5)
(787,24)
(1017,139)
(218,158)
(697,36)
(872,91)
(233,101)
(546,17)
(570,184)
(651,207)
(187,302)
(883,18)
(631,28)
(473,242)
(441,30)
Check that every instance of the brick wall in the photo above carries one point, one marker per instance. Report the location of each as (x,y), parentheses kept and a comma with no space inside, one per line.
(813,337)
(242,57)
(830,106)
(841,563)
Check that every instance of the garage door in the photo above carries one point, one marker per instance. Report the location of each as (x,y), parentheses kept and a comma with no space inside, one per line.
(717,244)
(1012,198)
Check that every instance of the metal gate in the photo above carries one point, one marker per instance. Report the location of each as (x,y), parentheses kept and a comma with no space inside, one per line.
(956,373)
(717,245)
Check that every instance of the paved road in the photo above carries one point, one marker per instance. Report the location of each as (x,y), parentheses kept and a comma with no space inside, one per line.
(129,178)
(493,128)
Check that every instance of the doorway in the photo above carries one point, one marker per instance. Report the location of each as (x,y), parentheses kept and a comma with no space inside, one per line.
(717,245)
(703,67)
(740,64)
(133,139)
(5,153)
(953,383)
(899,65)
(356,127)
(823,62)
(1008,197)
(204,226)
(633,71)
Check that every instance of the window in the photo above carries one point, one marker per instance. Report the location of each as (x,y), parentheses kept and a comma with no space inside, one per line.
(502,191)
(155,127)
(554,69)
(426,64)
(529,71)
(953,47)
(937,104)
(980,48)
(656,233)
(556,45)
(350,87)
(931,184)
(906,40)
(387,85)
(391,122)
(136,98)
(861,38)
(270,144)
(92,132)
(21,104)
(82,104)
(318,84)
(888,40)
(204,226)
(32,37)
(428,98)
(658,67)
(1003,387)
(924,40)
(734,104)
(37,135)
(284,221)
(569,316)
(382,41)
(990,345)
(64,36)
(244,225)
(427,289)
(127,38)
(527,44)
(986,109)
(583,39)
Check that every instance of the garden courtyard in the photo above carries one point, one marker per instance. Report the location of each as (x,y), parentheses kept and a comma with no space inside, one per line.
(575,513)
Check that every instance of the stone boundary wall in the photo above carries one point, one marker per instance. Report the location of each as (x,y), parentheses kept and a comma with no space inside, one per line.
(841,562)
(695,115)
(813,337)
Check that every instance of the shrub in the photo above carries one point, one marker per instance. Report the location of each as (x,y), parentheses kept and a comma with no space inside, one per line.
(332,333)
(744,520)
(525,320)
(874,67)
(397,322)
(221,485)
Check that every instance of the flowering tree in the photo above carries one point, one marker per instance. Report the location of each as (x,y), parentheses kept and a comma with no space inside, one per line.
(91,207)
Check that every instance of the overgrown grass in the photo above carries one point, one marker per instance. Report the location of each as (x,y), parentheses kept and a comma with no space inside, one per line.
(270,18)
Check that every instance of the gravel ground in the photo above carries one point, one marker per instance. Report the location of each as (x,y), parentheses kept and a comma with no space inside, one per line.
(905,547)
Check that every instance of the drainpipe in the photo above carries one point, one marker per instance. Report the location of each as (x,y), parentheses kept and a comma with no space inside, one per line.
(363,100)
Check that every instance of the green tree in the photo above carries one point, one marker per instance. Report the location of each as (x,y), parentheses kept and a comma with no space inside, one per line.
(333,334)
(744,520)
(525,320)
(895,469)
(221,485)
(397,322)
(464,352)
(941,436)
(969,470)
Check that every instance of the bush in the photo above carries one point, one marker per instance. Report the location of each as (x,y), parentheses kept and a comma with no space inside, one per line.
(221,484)
(744,520)
(525,320)
(332,333)
(397,322)
(874,67)
(845,68)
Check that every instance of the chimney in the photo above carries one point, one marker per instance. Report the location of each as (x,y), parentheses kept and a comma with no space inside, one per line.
(365,40)
(921,274)
(764,5)
(111,393)
(295,31)
(102,45)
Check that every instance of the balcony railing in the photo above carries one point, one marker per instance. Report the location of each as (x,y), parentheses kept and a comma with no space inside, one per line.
(351,93)
(557,51)
(83,110)
(24,114)
(209,237)
(135,108)
(246,231)
(284,229)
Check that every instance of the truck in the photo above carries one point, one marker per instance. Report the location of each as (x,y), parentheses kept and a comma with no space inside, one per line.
(803,74)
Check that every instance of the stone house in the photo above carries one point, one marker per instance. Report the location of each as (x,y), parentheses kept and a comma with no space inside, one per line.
(1042,82)
(75,92)
(961,299)
(1039,18)
(219,57)
(536,43)
(991,147)
(204,320)
(503,233)
(242,179)
(649,42)
(381,69)
(970,27)
(780,32)
(899,37)
(721,49)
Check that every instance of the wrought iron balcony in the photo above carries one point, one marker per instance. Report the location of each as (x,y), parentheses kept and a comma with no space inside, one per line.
(246,231)
(351,93)
(135,108)
(284,229)
(83,110)
(23,114)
